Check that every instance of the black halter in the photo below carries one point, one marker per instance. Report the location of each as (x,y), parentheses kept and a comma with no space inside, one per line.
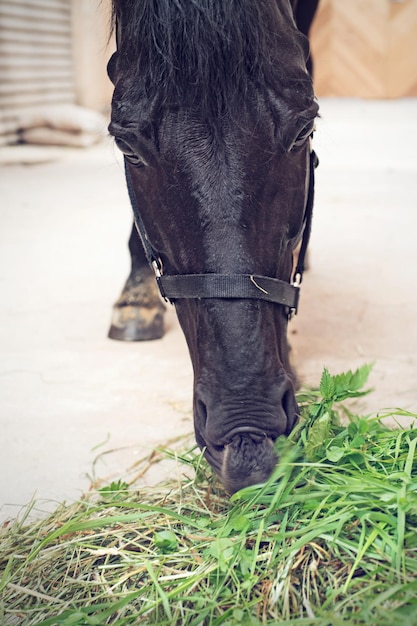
(173,287)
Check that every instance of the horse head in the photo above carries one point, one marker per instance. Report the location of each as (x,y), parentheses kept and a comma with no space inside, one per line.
(213,110)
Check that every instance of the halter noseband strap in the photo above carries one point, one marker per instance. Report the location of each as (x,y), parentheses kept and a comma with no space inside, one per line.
(173,287)
(229,286)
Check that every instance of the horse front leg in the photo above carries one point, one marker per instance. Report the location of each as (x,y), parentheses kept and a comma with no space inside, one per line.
(138,314)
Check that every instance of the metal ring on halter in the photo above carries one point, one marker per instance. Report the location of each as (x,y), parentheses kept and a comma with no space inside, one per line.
(157,267)
(297,280)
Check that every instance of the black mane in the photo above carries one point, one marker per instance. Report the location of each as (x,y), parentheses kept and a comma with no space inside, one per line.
(211,53)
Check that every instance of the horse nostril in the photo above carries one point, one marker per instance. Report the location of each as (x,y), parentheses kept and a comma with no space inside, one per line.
(200,422)
(201,410)
(290,408)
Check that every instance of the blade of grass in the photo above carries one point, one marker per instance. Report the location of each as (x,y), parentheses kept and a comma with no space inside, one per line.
(159,590)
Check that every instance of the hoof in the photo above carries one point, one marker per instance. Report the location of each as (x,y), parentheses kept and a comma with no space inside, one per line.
(134,323)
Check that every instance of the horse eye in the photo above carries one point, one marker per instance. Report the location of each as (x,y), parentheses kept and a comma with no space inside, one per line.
(302,137)
(131,156)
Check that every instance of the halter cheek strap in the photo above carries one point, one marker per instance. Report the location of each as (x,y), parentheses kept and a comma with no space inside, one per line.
(173,287)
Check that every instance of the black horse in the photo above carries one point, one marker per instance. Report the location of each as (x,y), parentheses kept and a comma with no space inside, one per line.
(213,108)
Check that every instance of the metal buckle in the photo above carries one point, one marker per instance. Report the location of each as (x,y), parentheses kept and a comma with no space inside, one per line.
(157,267)
(292,311)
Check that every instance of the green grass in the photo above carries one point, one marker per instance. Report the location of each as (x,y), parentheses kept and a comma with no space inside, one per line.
(329,540)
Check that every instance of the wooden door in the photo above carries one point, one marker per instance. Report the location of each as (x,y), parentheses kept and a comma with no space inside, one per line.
(365,48)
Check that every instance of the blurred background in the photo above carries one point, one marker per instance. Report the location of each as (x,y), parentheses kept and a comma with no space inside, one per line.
(365,48)
(54,52)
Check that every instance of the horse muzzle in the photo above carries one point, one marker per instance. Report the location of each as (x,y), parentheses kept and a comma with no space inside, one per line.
(239,442)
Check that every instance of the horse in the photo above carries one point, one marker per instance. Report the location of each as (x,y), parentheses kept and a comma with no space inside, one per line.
(213,109)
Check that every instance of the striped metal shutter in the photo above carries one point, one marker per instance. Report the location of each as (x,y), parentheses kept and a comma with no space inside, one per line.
(36,66)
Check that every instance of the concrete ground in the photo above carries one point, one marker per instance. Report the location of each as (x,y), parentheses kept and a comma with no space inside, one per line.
(75,405)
